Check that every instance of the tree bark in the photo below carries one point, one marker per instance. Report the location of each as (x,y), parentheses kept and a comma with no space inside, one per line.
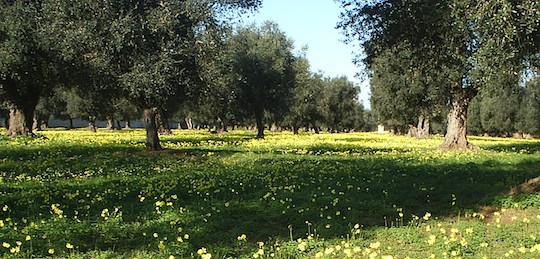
(456,132)
(413,131)
(152,138)
(110,123)
(91,123)
(22,106)
(260,124)
(36,124)
(19,123)
(315,127)
(163,124)
(189,123)
(423,127)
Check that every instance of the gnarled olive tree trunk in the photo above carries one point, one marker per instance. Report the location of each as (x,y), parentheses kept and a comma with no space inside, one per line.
(91,123)
(423,127)
(259,117)
(110,122)
(152,138)
(18,123)
(21,118)
(456,132)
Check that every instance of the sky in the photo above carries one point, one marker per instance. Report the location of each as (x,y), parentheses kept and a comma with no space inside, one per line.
(312,23)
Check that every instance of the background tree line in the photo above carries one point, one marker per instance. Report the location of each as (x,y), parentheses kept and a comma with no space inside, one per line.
(161,60)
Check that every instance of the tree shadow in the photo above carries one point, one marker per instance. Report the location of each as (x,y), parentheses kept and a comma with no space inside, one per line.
(520,147)
(265,196)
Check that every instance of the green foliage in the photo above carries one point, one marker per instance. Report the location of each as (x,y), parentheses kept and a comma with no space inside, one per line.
(30,63)
(84,194)
(307,105)
(529,112)
(263,70)
(340,104)
(445,52)
(403,88)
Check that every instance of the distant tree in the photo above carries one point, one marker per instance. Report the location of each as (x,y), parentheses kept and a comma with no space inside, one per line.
(47,106)
(215,96)
(474,119)
(494,110)
(529,110)
(340,103)
(369,123)
(404,92)
(307,109)
(263,70)
(126,111)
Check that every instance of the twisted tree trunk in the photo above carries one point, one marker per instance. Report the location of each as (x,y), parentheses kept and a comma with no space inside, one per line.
(152,138)
(456,133)
(259,116)
(19,123)
(91,123)
(423,127)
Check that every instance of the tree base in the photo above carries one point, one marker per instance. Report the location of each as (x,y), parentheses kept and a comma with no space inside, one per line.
(18,124)
(152,138)
(458,147)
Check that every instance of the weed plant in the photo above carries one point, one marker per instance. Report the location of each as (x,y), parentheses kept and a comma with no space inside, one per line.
(78,194)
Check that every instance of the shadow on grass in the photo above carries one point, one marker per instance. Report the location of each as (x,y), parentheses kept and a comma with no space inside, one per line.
(523,147)
(332,195)
(207,136)
(264,196)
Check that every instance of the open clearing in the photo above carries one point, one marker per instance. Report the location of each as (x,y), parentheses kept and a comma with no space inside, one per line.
(79,194)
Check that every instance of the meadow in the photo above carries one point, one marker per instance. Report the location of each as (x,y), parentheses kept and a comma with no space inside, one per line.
(78,194)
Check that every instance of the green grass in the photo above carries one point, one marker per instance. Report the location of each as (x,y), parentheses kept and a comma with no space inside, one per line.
(99,195)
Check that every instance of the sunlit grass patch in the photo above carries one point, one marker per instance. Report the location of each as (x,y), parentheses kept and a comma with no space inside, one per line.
(81,194)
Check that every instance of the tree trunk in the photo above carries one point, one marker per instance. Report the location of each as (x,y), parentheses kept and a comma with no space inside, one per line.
(456,132)
(36,124)
(295,130)
(152,138)
(91,123)
(19,123)
(189,123)
(413,131)
(315,127)
(21,112)
(260,124)
(221,125)
(71,124)
(45,123)
(110,123)
(163,124)
(423,127)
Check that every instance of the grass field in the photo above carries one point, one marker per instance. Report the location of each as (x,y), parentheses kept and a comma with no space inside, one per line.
(79,194)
